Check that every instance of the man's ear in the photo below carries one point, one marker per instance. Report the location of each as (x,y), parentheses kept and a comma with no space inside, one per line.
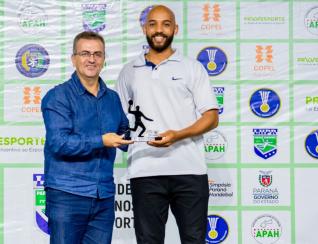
(176,29)
(73,59)
(144,28)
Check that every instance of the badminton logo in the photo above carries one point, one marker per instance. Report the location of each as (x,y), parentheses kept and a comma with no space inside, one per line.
(265,103)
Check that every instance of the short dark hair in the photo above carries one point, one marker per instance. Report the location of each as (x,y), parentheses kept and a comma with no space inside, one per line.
(88,35)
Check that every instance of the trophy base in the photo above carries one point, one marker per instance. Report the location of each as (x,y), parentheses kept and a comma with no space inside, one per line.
(146,139)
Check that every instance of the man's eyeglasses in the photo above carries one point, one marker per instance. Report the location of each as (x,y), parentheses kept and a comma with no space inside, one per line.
(87,54)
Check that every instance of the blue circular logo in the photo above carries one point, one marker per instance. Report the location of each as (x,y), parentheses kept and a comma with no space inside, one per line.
(143,15)
(265,103)
(32,60)
(217,229)
(213,59)
(311,144)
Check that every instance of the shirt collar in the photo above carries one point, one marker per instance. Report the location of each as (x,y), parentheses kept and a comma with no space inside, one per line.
(81,89)
(141,61)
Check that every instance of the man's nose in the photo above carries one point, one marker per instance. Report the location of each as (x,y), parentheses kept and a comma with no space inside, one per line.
(91,58)
(159,28)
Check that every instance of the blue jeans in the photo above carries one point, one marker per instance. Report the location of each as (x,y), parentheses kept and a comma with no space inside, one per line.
(75,219)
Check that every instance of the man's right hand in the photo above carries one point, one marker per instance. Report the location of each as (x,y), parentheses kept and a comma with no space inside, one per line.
(114,140)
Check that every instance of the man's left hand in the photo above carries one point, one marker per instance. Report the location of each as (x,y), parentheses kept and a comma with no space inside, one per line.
(168,138)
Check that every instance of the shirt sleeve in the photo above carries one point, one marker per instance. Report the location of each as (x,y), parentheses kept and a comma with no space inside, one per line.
(124,125)
(123,91)
(60,139)
(203,95)
(122,87)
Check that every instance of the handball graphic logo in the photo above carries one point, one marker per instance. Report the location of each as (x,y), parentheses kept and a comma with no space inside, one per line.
(94,16)
(213,59)
(265,142)
(311,144)
(32,60)
(217,230)
(39,195)
(143,15)
(219,93)
(265,103)
(311,20)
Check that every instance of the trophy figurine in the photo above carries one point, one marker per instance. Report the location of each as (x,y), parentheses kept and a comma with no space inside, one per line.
(144,135)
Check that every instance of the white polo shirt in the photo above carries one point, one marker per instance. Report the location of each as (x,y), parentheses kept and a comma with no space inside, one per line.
(173,94)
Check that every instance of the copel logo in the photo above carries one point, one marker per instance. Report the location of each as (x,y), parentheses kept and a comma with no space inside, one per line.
(211,18)
(31,99)
(263,58)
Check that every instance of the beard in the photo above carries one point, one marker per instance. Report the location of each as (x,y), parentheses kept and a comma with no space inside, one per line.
(160,48)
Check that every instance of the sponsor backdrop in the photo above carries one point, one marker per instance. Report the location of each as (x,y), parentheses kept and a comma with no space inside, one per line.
(262,60)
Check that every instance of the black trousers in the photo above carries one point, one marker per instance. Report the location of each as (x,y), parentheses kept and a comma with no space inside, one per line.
(187,196)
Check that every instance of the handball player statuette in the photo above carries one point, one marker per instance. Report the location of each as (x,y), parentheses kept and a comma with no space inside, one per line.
(144,135)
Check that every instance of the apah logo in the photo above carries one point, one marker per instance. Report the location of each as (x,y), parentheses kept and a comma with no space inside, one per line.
(215,145)
(311,20)
(143,15)
(265,103)
(264,58)
(265,178)
(32,60)
(219,93)
(213,59)
(211,18)
(39,194)
(311,144)
(32,19)
(217,229)
(266,229)
(265,142)
(312,103)
(94,17)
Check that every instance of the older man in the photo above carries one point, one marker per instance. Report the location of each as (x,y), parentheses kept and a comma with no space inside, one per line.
(84,121)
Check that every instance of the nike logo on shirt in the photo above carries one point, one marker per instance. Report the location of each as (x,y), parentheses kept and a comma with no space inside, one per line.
(176,78)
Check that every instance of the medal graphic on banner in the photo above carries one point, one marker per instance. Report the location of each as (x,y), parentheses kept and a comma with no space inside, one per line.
(142,135)
(217,229)
(265,103)
(311,144)
(144,14)
(213,59)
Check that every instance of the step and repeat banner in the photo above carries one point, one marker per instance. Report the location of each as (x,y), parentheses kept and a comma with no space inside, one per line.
(262,60)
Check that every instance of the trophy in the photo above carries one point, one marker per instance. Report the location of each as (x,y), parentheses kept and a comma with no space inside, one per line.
(144,135)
